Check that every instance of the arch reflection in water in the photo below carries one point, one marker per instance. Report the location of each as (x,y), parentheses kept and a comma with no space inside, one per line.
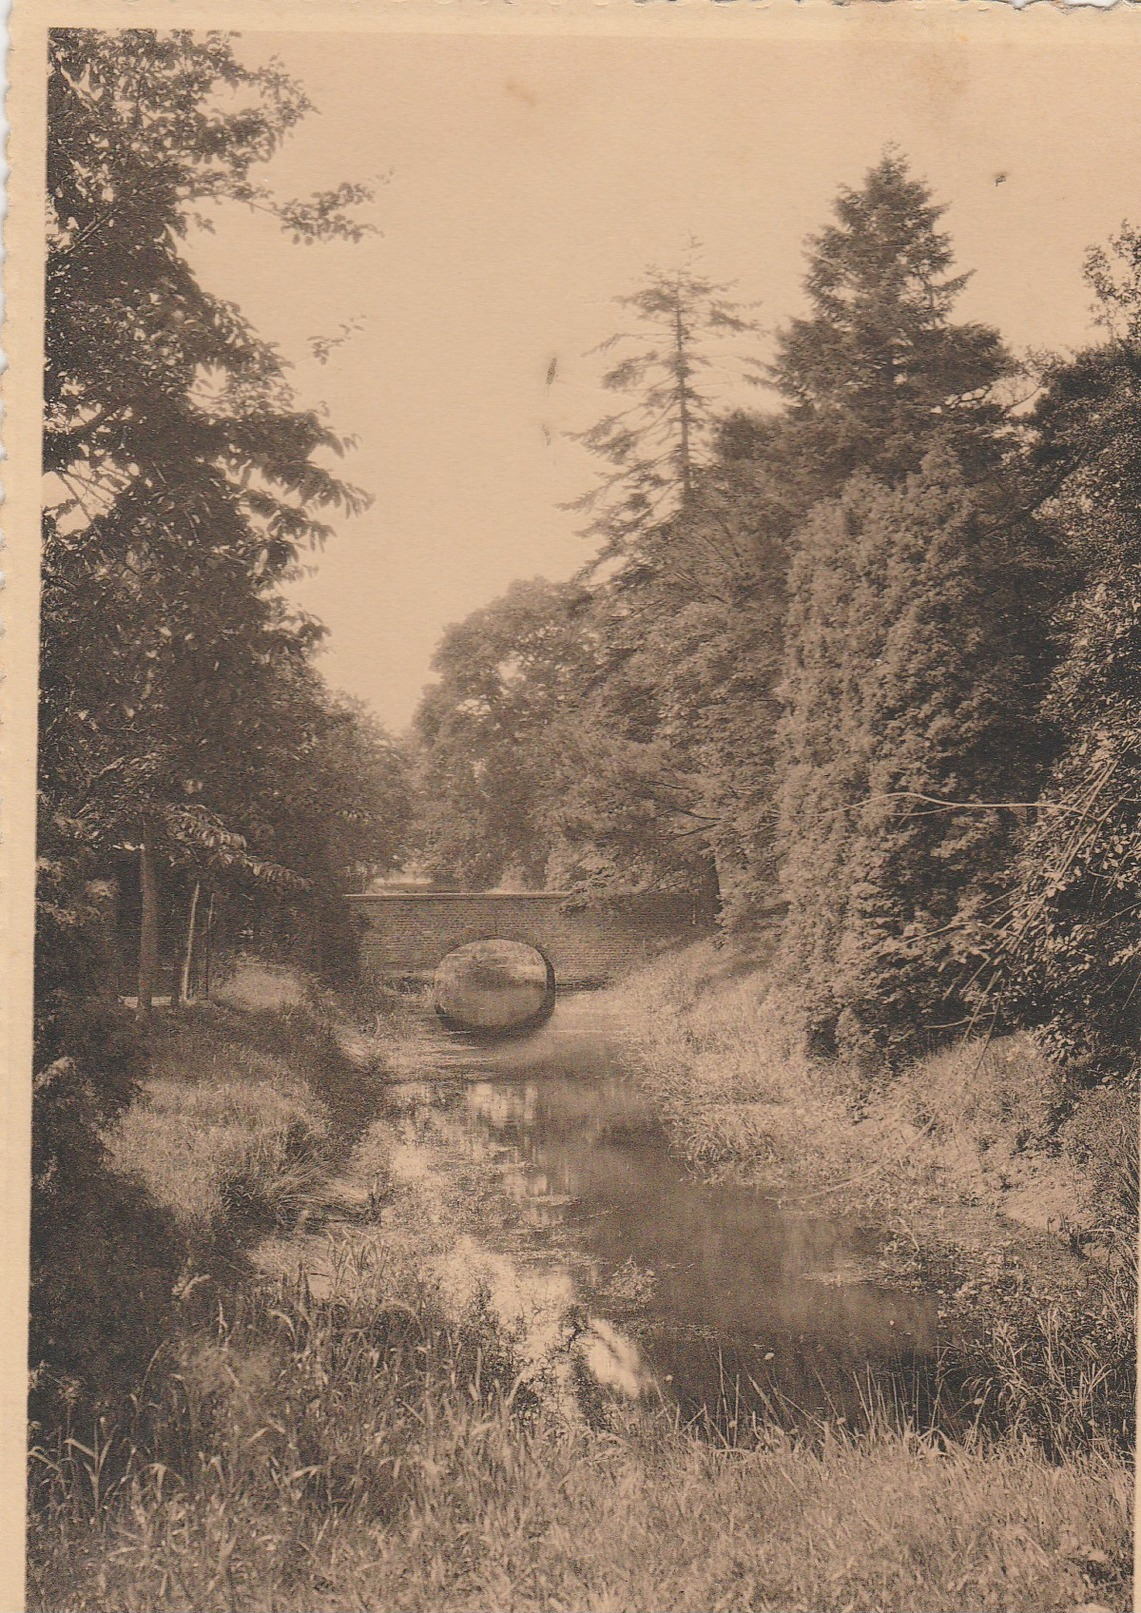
(494,987)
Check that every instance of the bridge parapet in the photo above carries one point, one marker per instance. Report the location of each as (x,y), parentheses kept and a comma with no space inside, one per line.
(407,933)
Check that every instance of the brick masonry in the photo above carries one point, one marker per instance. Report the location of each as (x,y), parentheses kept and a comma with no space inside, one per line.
(405,935)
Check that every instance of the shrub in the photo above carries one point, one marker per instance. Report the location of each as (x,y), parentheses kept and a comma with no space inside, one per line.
(1101,1136)
(1057,1368)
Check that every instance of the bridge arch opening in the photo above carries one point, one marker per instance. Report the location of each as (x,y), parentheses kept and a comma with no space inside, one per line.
(494,985)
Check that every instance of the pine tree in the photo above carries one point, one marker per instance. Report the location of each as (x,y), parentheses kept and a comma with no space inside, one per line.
(878,368)
(689,612)
(654,448)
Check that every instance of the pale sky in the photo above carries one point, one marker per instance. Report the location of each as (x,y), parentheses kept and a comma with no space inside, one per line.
(532,180)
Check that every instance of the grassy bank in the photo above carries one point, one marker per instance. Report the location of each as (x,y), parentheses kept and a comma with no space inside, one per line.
(366,1452)
(1006,1190)
(377,1446)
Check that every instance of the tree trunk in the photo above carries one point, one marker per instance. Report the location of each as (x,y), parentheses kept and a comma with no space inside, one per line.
(148,924)
(206,947)
(681,364)
(188,955)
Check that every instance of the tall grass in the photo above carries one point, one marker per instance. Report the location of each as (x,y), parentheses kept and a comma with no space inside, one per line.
(228,1155)
(242,1116)
(363,1452)
(247,1442)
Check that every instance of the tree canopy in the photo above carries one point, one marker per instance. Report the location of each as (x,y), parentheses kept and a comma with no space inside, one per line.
(181,716)
(183,480)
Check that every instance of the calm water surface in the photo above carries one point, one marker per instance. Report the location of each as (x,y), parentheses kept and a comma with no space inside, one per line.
(713,1296)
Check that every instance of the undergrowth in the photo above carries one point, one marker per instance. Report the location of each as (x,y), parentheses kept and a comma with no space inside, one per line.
(364,1452)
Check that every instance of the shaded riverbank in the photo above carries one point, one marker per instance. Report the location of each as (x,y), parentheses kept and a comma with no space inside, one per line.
(992,1186)
(361,1411)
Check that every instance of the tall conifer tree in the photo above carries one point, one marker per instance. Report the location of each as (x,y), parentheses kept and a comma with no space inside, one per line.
(915,668)
(914,649)
(878,365)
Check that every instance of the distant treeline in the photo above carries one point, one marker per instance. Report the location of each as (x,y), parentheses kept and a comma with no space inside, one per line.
(864,663)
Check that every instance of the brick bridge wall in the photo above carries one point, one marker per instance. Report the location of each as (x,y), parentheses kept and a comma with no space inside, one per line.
(405,936)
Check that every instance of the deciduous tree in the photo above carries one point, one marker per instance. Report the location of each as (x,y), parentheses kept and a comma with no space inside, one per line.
(182,483)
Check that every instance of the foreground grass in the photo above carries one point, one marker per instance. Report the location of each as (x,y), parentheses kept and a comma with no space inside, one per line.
(363,1452)
(373,1448)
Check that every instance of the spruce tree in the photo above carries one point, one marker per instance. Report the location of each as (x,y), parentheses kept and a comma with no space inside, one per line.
(877,366)
(652,450)
(915,640)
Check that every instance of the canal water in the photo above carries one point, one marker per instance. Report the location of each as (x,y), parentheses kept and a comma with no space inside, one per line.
(716,1299)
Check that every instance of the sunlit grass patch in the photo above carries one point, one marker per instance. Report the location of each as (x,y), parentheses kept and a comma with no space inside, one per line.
(253,984)
(224,1150)
(231,1132)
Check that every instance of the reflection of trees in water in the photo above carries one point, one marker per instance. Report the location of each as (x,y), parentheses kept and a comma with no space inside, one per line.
(720,1255)
(735,1292)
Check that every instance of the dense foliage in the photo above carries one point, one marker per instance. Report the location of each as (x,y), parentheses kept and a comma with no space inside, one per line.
(491,727)
(879,364)
(911,728)
(1071,961)
(182,724)
(861,666)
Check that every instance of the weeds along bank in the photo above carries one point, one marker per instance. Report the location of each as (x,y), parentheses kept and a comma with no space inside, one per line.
(363,1453)
(1010,1192)
(374,1446)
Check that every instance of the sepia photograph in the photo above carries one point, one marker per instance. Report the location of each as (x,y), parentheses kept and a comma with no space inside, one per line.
(587,961)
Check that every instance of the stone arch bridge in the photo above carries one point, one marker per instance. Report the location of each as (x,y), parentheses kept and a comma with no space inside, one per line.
(407,933)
